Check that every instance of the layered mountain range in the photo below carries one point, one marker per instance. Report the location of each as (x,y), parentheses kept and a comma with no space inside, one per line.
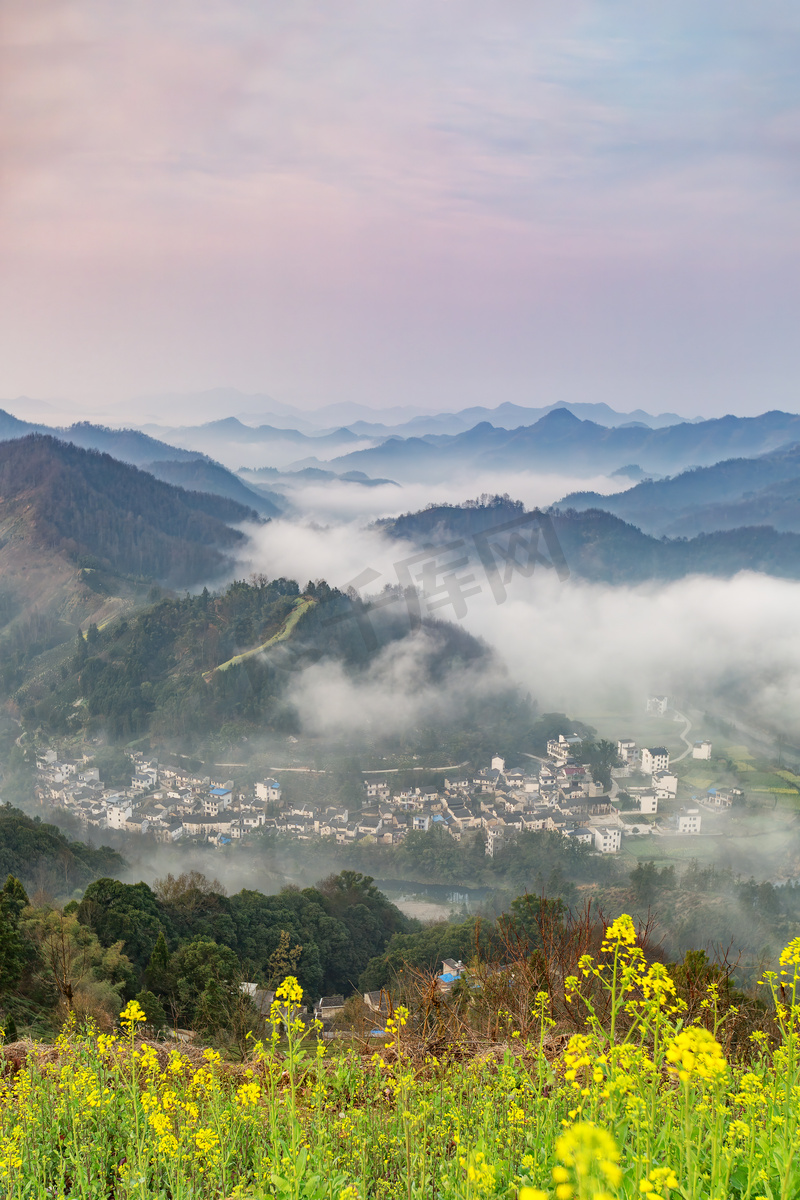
(728,495)
(81,532)
(600,547)
(562,443)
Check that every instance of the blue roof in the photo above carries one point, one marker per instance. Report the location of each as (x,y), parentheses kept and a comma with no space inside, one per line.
(271,783)
(220,791)
(448,978)
(438,817)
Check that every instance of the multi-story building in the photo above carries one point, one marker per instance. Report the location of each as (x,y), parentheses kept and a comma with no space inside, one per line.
(655,758)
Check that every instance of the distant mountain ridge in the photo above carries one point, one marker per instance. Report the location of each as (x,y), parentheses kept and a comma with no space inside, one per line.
(78,529)
(562,442)
(228,440)
(601,547)
(127,445)
(559,441)
(203,475)
(735,492)
(405,420)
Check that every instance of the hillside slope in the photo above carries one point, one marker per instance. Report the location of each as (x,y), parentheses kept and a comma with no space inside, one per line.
(128,445)
(730,494)
(600,546)
(196,664)
(202,475)
(80,531)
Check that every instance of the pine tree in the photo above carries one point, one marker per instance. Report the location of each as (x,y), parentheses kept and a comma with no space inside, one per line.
(157,974)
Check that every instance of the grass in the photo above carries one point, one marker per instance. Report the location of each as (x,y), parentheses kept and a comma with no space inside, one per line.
(644,1101)
(301,605)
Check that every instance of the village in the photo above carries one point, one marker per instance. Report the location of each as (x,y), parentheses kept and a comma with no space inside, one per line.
(556,793)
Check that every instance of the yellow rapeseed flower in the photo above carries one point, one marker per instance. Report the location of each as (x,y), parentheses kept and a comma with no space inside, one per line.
(588,1150)
(696,1054)
(131,1015)
(290,991)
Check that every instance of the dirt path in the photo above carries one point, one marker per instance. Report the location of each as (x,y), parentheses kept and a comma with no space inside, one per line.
(689,745)
(301,606)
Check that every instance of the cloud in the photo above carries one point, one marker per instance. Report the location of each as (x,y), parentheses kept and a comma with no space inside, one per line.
(342,502)
(398,692)
(401,201)
(731,646)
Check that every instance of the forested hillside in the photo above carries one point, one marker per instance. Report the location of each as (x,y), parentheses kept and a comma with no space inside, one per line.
(86,505)
(599,546)
(127,445)
(189,666)
(183,947)
(328,932)
(729,495)
(43,858)
(201,475)
(84,537)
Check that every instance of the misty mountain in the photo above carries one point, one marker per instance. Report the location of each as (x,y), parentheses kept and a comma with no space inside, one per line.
(601,547)
(562,442)
(301,478)
(511,416)
(202,475)
(229,440)
(197,663)
(78,528)
(128,445)
(732,493)
(404,420)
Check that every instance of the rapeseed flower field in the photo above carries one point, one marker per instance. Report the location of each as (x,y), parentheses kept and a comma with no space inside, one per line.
(639,1104)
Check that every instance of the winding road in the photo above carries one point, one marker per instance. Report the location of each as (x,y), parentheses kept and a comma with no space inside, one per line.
(679,716)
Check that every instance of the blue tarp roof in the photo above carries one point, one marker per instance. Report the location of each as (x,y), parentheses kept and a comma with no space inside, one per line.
(220,791)
(448,978)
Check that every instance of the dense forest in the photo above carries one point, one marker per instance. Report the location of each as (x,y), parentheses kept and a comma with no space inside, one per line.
(184,947)
(103,514)
(47,861)
(603,548)
(169,670)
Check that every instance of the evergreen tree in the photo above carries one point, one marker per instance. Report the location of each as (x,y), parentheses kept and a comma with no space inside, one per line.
(157,972)
(13,951)
(153,1009)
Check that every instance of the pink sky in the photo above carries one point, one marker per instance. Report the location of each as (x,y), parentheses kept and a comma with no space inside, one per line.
(438,203)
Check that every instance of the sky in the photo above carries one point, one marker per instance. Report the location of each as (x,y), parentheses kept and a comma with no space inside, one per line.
(437,203)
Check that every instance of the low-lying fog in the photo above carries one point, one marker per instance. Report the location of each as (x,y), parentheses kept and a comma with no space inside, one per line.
(576,646)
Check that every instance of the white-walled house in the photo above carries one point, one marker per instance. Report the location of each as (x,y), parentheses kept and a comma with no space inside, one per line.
(655,758)
(118,815)
(607,838)
(561,748)
(701,750)
(626,749)
(665,784)
(689,820)
(268,789)
(648,802)
(657,705)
